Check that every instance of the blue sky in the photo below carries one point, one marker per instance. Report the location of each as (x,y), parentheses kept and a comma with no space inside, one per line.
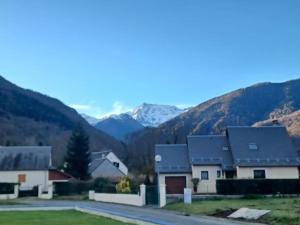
(108,56)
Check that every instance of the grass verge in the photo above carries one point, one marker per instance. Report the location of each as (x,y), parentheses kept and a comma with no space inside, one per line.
(54,218)
(284,211)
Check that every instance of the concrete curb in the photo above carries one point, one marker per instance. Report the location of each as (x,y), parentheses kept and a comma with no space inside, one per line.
(111,216)
(79,209)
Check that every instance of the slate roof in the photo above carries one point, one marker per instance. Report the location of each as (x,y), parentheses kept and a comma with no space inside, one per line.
(174,158)
(274,146)
(209,150)
(25,158)
(95,164)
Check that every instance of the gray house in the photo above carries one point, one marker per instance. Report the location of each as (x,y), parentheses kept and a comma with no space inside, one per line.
(242,153)
(106,164)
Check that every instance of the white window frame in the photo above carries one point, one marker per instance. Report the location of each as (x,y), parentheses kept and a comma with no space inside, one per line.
(259,169)
(204,171)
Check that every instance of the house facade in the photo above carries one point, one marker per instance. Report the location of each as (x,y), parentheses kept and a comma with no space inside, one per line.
(242,153)
(29,167)
(106,164)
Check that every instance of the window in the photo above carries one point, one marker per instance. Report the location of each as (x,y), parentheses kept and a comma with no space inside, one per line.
(259,174)
(253,146)
(225,148)
(218,173)
(22,178)
(116,164)
(204,175)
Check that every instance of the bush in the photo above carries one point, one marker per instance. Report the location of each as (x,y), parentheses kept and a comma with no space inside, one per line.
(7,188)
(124,185)
(72,188)
(104,185)
(258,186)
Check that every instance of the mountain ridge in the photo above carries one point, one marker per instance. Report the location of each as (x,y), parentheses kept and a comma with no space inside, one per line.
(242,107)
(30,118)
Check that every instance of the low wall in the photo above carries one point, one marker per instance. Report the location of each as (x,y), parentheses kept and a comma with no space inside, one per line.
(11,196)
(127,199)
(48,195)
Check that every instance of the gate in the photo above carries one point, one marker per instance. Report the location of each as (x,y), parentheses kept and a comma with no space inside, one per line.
(151,195)
(34,192)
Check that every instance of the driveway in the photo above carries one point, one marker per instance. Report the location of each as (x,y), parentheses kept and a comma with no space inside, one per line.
(146,214)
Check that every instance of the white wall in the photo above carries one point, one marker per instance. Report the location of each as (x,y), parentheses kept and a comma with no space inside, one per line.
(126,199)
(113,158)
(207,186)
(33,178)
(271,172)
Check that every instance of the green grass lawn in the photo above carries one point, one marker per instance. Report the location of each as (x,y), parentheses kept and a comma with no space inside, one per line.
(54,218)
(284,211)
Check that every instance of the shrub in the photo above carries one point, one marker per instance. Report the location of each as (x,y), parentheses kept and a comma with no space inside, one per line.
(124,185)
(7,188)
(195,182)
(104,185)
(258,186)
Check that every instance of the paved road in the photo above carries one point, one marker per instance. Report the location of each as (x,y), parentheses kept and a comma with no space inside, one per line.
(146,214)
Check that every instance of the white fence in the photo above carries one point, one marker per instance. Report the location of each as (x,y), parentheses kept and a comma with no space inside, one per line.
(11,196)
(127,199)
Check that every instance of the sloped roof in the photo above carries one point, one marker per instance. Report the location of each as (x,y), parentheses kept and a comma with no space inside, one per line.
(208,150)
(95,164)
(25,158)
(99,155)
(174,158)
(274,146)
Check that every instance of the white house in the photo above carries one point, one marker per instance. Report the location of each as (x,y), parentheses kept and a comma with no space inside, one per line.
(242,153)
(29,166)
(106,164)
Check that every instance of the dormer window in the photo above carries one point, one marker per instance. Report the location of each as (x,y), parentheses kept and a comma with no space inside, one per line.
(253,146)
(225,148)
(116,164)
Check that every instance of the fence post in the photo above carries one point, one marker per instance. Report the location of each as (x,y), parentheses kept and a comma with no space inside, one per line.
(143,194)
(16,191)
(50,191)
(91,195)
(162,195)
(40,191)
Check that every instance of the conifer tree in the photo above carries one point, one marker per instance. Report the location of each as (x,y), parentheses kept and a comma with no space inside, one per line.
(78,156)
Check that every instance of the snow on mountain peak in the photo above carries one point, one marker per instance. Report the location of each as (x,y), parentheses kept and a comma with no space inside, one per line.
(149,115)
(152,115)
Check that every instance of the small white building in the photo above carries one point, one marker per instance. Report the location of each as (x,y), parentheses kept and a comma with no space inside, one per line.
(106,164)
(29,166)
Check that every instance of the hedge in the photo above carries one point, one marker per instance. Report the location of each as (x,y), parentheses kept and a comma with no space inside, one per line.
(72,188)
(258,186)
(7,188)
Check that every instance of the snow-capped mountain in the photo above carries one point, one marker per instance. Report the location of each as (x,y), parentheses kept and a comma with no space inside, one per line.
(145,115)
(91,120)
(152,115)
